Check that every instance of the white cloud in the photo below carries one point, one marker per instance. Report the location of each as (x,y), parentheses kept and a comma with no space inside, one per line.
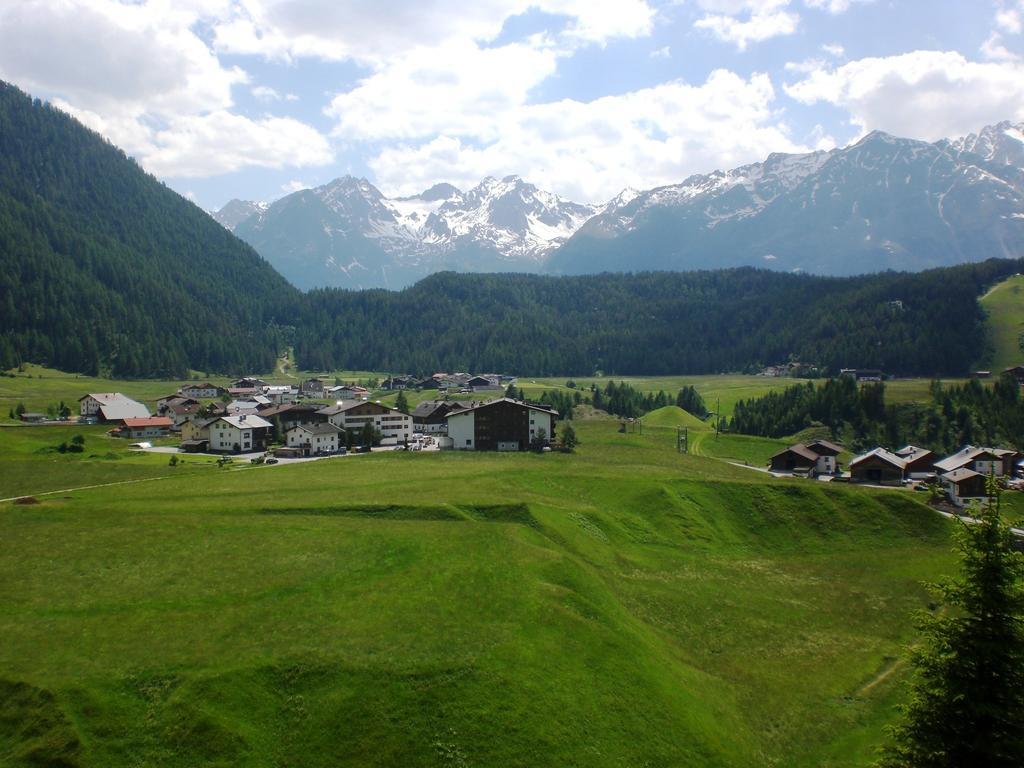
(265,93)
(1009,19)
(752,21)
(459,89)
(590,150)
(294,186)
(834,49)
(661,53)
(139,74)
(924,94)
(372,33)
(833,6)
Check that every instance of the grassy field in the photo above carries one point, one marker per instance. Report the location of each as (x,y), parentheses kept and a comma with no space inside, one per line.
(1005,307)
(624,605)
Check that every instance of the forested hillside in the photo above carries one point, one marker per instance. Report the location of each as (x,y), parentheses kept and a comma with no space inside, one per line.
(102,267)
(655,323)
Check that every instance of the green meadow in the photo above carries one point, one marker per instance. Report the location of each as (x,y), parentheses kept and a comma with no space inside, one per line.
(1005,307)
(622,605)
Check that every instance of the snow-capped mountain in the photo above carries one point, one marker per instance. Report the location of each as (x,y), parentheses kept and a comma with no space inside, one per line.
(348,234)
(236,211)
(881,203)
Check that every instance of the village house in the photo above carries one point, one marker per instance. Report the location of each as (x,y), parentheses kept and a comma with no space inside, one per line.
(394,426)
(111,407)
(177,398)
(294,414)
(312,388)
(394,383)
(179,413)
(348,392)
(878,467)
(964,485)
(501,425)
(431,416)
(280,395)
(985,461)
(204,391)
(863,374)
(247,382)
(919,462)
(238,434)
(818,457)
(1017,371)
(315,439)
(195,435)
(484,384)
(140,428)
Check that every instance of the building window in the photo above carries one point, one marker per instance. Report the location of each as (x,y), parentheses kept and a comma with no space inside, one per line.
(469,441)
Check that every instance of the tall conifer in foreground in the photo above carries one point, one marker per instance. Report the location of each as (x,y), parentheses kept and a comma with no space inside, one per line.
(967,701)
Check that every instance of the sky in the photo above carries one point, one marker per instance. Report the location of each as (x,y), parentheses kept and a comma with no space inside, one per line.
(255,99)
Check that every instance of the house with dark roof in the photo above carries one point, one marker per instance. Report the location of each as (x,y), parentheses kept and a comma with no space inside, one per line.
(920,462)
(964,485)
(394,426)
(431,416)
(204,391)
(985,461)
(1017,371)
(503,424)
(239,434)
(818,457)
(878,467)
(315,439)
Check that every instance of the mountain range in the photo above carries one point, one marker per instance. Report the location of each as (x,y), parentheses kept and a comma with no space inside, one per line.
(882,203)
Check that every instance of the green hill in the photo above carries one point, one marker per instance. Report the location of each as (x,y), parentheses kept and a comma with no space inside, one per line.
(1004,305)
(624,605)
(673,416)
(102,267)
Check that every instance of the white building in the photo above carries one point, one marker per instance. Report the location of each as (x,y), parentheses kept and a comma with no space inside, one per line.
(394,426)
(501,425)
(111,406)
(204,391)
(239,434)
(313,439)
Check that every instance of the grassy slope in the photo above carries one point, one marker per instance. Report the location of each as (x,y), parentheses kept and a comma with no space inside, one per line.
(624,605)
(1005,307)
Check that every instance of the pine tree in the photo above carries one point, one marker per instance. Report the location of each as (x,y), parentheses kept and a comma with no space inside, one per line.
(402,402)
(967,702)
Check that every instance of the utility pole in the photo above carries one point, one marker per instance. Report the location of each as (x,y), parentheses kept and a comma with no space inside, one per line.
(718,416)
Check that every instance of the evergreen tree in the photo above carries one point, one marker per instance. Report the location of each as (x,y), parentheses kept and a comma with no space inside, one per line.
(967,703)
(402,402)
(569,440)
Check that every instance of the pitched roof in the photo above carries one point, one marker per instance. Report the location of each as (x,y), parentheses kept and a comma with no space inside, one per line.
(800,450)
(149,421)
(959,475)
(821,447)
(489,403)
(881,453)
(347,405)
(245,421)
(115,406)
(320,428)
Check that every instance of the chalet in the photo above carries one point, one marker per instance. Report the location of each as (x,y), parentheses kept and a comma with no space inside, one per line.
(179,413)
(431,382)
(431,416)
(819,457)
(351,416)
(280,395)
(195,435)
(247,407)
(878,467)
(247,382)
(235,434)
(315,439)
(1017,371)
(295,414)
(501,425)
(204,391)
(111,407)
(920,462)
(962,485)
(176,399)
(352,392)
(997,461)
(393,383)
(797,459)
(138,428)
(33,418)
(484,384)
(312,388)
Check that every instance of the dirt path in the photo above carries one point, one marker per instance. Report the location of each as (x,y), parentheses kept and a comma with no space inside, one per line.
(882,675)
(88,487)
